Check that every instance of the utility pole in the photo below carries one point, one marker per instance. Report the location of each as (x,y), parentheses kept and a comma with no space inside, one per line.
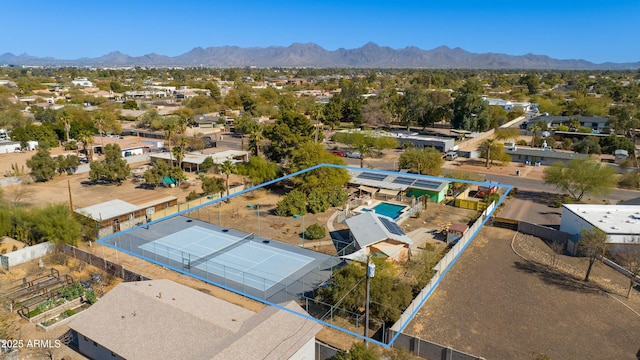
(371,269)
(70,198)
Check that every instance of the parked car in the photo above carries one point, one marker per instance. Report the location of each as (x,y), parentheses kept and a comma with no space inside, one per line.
(354,155)
(338,152)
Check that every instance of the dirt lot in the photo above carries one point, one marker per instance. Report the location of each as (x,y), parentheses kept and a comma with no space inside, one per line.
(498,305)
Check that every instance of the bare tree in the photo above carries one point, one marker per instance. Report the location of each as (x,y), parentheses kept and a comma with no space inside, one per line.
(557,248)
(592,243)
(631,261)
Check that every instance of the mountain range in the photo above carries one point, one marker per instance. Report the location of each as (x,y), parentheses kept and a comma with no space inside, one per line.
(370,55)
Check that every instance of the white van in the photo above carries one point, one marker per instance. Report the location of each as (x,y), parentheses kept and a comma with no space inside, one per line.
(451,155)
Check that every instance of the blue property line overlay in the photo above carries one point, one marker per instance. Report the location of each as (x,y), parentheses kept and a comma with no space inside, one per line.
(103,242)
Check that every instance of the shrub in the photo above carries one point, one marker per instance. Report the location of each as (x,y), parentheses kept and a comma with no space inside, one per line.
(315,231)
(192,196)
(629,180)
(91,296)
(522,143)
(71,145)
(295,202)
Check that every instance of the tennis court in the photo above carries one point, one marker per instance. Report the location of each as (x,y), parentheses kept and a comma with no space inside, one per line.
(240,259)
(247,263)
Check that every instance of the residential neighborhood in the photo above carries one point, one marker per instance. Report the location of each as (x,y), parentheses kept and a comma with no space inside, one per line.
(299,213)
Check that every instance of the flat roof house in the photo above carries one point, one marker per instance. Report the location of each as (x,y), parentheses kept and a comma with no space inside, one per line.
(621,223)
(161,319)
(193,161)
(394,185)
(116,215)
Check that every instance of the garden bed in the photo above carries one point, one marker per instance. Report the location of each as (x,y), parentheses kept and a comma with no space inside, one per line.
(63,317)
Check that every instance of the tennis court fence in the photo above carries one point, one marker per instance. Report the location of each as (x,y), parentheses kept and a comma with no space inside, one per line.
(206,269)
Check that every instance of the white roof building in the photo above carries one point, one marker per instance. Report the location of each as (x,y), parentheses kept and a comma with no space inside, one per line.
(84,82)
(620,222)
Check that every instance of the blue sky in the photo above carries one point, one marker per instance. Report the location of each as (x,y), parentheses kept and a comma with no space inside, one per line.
(597,31)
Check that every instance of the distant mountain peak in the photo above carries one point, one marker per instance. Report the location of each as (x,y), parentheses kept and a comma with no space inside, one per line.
(370,55)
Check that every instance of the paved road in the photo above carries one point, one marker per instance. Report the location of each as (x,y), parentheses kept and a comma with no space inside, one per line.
(522,183)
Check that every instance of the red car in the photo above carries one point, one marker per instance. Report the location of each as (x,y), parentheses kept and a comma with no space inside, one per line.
(338,152)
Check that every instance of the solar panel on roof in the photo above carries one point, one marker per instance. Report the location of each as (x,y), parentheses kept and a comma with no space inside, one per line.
(372,176)
(391,226)
(403,180)
(429,184)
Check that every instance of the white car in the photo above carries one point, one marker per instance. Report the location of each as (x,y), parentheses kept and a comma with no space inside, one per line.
(354,155)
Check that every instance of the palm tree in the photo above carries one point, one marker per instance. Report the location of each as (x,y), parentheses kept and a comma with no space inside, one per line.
(317,112)
(227,168)
(87,140)
(486,147)
(66,122)
(180,150)
(255,137)
(365,150)
(169,131)
(98,120)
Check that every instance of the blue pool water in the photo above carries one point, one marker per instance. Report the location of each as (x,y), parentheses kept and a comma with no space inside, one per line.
(387,209)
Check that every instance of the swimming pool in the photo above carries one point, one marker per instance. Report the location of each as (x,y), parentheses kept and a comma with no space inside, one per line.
(388,209)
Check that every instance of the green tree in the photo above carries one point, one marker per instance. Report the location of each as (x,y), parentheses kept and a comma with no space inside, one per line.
(309,154)
(314,231)
(152,177)
(532,83)
(54,223)
(492,151)
(255,140)
(289,132)
(365,150)
(246,124)
(212,185)
(157,173)
(180,150)
(65,120)
(227,168)
(469,108)
(293,203)
(113,168)
(358,351)
(170,129)
(414,105)
(427,161)
(507,134)
(130,105)
(207,164)
(589,145)
(333,111)
(87,139)
(67,164)
(259,170)
(388,296)
(581,176)
(43,166)
(44,134)
(592,243)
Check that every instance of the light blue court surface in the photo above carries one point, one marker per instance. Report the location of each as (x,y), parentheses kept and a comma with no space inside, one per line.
(235,258)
